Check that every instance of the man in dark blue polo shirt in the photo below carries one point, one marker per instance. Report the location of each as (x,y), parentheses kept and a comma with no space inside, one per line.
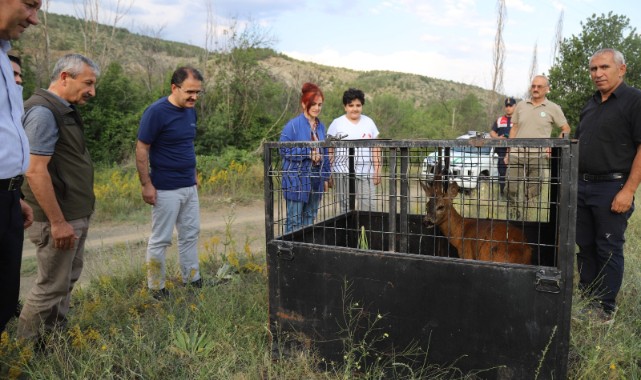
(166,163)
(609,134)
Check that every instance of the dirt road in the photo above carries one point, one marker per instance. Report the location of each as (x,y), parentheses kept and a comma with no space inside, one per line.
(211,220)
(246,221)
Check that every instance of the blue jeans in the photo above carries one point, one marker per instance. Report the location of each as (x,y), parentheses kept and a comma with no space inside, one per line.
(301,214)
(600,235)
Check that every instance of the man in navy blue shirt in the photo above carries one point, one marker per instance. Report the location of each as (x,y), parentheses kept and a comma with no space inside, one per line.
(166,163)
(609,134)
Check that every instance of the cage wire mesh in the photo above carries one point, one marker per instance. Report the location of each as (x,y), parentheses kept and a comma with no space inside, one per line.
(390,216)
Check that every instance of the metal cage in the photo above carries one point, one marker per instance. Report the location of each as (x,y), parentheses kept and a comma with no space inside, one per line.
(508,320)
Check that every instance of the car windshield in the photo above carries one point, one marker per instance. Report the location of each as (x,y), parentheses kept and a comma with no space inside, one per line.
(472,150)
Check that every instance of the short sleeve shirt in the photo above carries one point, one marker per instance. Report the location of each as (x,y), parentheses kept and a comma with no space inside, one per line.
(364,129)
(42,130)
(537,121)
(609,132)
(170,131)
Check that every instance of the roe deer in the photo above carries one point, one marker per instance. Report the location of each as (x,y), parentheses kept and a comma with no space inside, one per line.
(475,239)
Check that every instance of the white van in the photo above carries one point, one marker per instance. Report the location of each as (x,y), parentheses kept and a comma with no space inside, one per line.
(468,164)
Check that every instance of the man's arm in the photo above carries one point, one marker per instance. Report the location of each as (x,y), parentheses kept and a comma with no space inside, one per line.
(40,183)
(565,130)
(142,164)
(514,130)
(623,200)
(376,160)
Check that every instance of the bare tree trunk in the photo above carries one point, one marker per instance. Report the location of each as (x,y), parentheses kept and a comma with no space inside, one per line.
(558,39)
(148,61)
(534,67)
(98,44)
(498,58)
(43,73)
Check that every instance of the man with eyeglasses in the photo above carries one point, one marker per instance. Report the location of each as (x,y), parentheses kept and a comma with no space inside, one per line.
(501,130)
(166,163)
(533,118)
(15,214)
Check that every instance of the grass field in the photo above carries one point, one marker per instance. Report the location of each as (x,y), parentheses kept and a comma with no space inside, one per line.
(118,331)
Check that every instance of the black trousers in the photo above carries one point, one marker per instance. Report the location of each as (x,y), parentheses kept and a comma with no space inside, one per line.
(600,235)
(11,239)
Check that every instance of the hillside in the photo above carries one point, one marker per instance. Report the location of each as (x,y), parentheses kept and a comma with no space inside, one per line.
(421,89)
(141,53)
(251,90)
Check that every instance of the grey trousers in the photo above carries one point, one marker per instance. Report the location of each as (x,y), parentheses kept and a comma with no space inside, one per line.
(47,303)
(179,208)
(365,192)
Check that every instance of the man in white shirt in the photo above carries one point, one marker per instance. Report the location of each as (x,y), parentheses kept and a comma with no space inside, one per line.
(367,161)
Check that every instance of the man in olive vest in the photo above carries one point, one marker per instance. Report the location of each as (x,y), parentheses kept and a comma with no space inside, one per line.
(59,188)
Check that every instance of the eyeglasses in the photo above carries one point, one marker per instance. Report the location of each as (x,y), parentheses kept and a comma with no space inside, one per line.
(539,86)
(191,92)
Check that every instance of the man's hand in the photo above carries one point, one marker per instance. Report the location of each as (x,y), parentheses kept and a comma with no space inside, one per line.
(64,237)
(27,214)
(622,201)
(149,193)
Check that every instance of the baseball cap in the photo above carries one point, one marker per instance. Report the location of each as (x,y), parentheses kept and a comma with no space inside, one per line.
(510,101)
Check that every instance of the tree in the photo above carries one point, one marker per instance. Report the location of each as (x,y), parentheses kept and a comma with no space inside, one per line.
(242,104)
(534,67)
(558,39)
(571,76)
(98,39)
(498,57)
(111,118)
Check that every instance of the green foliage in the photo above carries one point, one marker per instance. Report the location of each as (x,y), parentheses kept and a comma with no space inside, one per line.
(242,104)
(111,118)
(193,344)
(570,75)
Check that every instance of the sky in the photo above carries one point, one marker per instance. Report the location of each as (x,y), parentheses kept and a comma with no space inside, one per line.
(444,39)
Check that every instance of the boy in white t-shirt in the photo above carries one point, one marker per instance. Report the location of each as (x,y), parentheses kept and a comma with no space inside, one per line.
(367,161)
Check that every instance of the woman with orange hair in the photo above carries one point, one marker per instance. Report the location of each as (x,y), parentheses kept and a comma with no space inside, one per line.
(305,169)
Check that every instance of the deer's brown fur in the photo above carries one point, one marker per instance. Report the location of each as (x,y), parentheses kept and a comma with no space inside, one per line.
(475,239)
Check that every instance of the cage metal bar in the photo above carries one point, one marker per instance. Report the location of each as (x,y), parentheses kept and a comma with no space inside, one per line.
(393,196)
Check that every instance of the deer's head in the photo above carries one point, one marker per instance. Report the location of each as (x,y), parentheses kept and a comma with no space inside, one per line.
(438,205)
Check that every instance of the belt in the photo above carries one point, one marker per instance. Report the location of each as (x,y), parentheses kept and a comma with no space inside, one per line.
(11,184)
(602,177)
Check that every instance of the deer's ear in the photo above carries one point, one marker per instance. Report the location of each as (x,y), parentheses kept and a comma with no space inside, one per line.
(427,188)
(452,189)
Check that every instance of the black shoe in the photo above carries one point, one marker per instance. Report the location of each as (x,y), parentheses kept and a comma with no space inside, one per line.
(160,294)
(196,284)
(594,312)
